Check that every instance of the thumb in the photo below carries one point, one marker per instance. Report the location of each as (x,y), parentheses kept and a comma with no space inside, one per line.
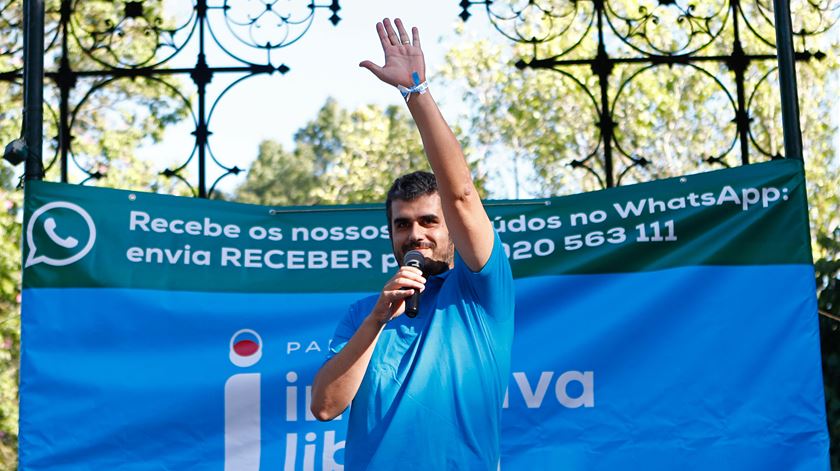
(375,69)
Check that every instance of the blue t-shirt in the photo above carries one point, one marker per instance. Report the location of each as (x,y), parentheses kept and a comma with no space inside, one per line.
(431,398)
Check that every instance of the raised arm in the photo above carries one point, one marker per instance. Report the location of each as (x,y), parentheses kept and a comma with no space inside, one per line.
(468,224)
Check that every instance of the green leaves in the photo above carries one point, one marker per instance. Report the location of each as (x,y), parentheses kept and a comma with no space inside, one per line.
(10,205)
(341,156)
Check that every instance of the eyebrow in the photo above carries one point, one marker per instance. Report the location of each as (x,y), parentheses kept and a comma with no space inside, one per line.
(429,218)
(424,218)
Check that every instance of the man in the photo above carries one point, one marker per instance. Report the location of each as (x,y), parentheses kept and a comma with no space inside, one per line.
(426,392)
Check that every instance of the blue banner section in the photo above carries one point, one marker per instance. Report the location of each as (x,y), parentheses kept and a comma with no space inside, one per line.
(635,371)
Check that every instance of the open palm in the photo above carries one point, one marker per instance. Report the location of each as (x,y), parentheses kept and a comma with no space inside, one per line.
(403,56)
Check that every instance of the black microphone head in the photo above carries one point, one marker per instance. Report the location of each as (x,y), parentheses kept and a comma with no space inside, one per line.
(414,258)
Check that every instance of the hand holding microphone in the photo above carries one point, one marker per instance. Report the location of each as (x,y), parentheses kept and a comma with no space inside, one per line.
(413,259)
(402,292)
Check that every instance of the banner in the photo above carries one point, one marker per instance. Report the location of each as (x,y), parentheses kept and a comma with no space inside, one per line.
(661,326)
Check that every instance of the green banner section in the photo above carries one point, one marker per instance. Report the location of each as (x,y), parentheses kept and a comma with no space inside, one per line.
(78,236)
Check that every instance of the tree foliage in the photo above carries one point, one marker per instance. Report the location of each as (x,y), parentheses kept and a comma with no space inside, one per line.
(341,156)
(10,202)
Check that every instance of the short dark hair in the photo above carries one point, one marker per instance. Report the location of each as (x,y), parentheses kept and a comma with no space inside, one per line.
(408,188)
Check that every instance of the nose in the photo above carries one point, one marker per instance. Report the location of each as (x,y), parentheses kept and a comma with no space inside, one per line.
(416,234)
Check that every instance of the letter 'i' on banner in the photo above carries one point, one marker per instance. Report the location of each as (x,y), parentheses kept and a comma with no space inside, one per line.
(242,405)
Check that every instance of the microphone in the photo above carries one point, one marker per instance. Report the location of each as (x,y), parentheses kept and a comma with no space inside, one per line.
(413,258)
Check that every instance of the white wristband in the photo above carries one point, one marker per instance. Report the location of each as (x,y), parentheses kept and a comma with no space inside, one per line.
(418,87)
(406,92)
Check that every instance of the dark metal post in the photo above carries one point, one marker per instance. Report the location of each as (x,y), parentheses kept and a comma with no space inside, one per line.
(201,76)
(787,81)
(33,87)
(602,68)
(738,62)
(65,80)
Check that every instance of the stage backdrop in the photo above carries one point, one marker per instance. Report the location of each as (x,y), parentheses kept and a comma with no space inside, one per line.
(662,326)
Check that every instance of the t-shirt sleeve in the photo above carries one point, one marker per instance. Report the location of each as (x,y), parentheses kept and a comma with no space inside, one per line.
(345,329)
(492,286)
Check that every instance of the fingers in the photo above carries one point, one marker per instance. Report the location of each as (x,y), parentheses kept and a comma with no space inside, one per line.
(403,284)
(407,278)
(404,38)
(383,36)
(402,58)
(389,30)
(397,295)
(373,68)
(411,273)
(399,36)
(391,304)
(406,283)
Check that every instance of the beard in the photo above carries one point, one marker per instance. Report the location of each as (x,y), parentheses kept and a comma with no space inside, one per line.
(440,260)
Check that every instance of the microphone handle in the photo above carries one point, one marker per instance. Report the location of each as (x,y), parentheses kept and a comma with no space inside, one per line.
(412,305)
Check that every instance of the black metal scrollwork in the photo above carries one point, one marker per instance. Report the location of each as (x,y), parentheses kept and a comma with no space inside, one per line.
(667,28)
(98,47)
(271,24)
(725,44)
(126,34)
(810,18)
(538,21)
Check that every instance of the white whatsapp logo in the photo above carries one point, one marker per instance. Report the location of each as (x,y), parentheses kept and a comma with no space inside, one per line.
(54,234)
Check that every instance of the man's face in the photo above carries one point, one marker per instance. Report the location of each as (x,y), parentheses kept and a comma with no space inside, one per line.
(419,225)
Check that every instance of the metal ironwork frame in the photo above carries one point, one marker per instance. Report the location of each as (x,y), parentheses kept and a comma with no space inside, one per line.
(226,23)
(606,20)
(538,23)
(33,47)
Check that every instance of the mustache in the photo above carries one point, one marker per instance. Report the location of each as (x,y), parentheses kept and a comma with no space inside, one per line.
(418,245)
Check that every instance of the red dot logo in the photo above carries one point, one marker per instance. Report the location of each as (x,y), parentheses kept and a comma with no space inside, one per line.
(245,348)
